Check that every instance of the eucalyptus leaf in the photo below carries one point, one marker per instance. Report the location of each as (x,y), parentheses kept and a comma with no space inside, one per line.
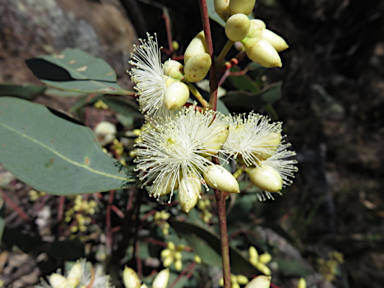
(26,91)
(54,155)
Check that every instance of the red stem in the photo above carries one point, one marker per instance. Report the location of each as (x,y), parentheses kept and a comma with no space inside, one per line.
(14,206)
(108,223)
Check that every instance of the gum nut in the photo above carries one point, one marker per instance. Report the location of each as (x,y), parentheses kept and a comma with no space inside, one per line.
(237,27)
(266,178)
(241,6)
(259,282)
(197,46)
(130,278)
(161,280)
(197,67)
(262,52)
(58,281)
(189,192)
(75,274)
(219,136)
(176,95)
(222,8)
(173,69)
(164,188)
(275,40)
(269,143)
(220,178)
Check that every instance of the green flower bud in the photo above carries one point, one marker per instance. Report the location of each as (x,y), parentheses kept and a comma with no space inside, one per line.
(262,52)
(241,6)
(58,281)
(189,192)
(176,95)
(237,27)
(130,278)
(197,67)
(197,46)
(161,280)
(173,69)
(275,40)
(220,178)
(259,282)
(216,142)
(222,8)
(266,178)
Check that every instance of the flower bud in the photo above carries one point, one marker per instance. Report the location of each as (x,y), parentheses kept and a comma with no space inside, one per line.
(266,178)
(58,281)
(241,6)
(105,132)
(176,95)
(262,52)
(241,279)
(237,27)
(220,178)
(168,261)
(161,280)
(258,23)
(269,143)
(222,8)
(178,265)
(302,283)
(215,143)
(265,257)
(75,274)
(143,285)
(263,268)
(164,188)
(253,255)
(259,282)
(173,69)
(130,278)
(197,67)
(189,192)
(275,40)
(197,46)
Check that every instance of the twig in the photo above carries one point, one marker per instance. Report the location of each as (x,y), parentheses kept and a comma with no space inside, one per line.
(14,206)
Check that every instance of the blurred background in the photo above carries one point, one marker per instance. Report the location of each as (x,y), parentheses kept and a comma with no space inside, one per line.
(331,102)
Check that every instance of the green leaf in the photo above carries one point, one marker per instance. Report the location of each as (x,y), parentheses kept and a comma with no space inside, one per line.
(212,13)
(76,70)
(26,91)
(54,155)
(208,248)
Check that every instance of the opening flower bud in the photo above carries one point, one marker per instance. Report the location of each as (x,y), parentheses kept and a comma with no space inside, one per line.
(220,178)
(269,145)
(161,280)
(266,178)
(222,8)
(169,185)
(176,95)
(261,52)
(197,67)
(259,282)
(215,143)
(189,192)
(58,281)
(241,6)
(275,40)
(130,278)
(75,274)
(197,46)
(173,69)
(237,27)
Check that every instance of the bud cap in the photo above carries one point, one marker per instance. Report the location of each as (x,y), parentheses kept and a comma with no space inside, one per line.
(220,178)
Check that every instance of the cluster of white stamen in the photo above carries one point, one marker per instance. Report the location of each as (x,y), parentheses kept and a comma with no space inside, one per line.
(171,148)
(148,75)
(249,136)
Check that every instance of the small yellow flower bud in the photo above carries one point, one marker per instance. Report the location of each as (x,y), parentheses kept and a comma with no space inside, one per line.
(259,282)
(221,282)
(168,261)
(75,274)
(197,259)
(136,132)
(222,8)
(171,246)
(143,285)
(265,258)
(130,278)
(275,40)
(241,6)
(176,95)
(189,192)
(175,45)
(266,178)
(161,280)
(241,279)
(233,278)
(197,46)
(261,52)
(174,69)
(263,268)
(216,142)
(235,285)
(237,27)
(178,265)
(197,67)
(58,281)
(165,253)
(180,247)
(218,177)
(253,255)
(302,283)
